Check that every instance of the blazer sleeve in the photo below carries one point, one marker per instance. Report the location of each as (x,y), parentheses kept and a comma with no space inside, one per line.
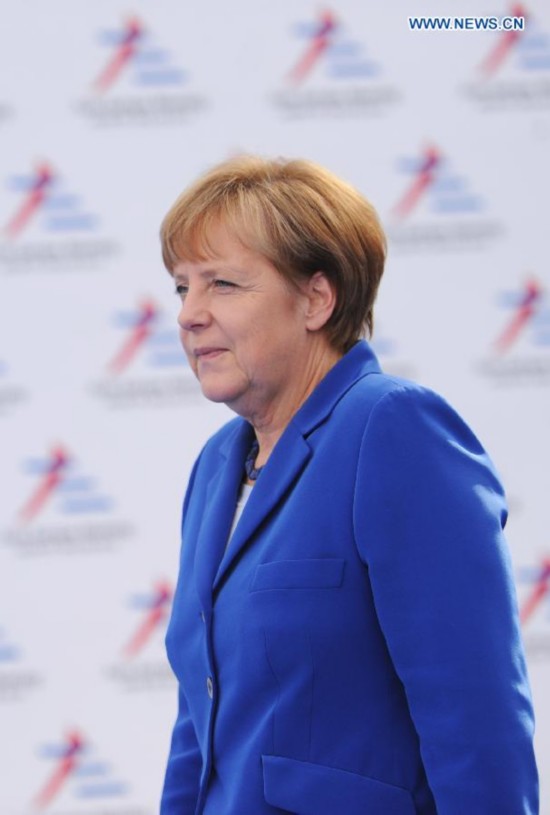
(181,781)
(429,514)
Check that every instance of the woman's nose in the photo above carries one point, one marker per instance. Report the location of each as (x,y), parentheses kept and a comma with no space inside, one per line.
(193,312)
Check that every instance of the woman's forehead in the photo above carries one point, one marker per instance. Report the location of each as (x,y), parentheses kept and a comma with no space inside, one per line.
(210,240)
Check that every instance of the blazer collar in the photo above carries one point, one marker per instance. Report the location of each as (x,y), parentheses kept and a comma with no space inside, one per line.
(286,462)
(357,363)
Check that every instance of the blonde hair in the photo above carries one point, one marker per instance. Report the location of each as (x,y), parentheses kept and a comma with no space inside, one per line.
(298,215)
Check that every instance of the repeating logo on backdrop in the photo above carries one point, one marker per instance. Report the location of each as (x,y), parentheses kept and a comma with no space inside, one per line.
(141,665)
(12,394)
(18,679)
(138,81)
(48,226)
(514,72)
(519,351)
(534,588)
(389,353)
(63,510)
(438,208)
(6,111)
(332,74)
(147,366)
(77,774)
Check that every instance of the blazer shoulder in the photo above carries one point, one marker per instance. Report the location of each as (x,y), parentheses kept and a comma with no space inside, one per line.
(399,410)
(408,421)
(401,404)
(377,389)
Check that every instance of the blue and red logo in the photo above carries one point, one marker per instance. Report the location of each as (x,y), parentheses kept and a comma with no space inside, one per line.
(382,344)
(43,198)
(9,652)
(76,771)
(539,578)
(527,49)
(435,186)
(149,334)
(135,57)
(154,608)
(328,50)
(58,481)
(530,316)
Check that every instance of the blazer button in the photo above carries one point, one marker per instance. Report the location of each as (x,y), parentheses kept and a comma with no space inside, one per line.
(210,687)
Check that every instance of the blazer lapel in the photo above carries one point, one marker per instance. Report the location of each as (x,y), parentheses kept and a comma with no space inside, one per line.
(283,467)
(219,509)
(285,464)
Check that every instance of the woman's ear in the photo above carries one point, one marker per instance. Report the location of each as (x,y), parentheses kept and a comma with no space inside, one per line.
(321,301)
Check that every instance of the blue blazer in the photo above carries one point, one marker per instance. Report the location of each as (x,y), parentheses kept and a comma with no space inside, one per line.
(355,650)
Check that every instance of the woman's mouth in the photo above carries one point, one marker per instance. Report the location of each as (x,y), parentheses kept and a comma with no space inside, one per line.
(205,354)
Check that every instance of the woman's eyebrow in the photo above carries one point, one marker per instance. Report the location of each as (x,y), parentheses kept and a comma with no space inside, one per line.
(209,272)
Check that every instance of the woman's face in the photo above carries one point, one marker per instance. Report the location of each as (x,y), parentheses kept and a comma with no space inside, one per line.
(243,327)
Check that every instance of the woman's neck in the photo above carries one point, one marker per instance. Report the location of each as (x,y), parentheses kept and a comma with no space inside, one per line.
(270,426)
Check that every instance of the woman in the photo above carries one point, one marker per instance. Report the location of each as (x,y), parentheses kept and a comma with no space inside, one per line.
(344,632)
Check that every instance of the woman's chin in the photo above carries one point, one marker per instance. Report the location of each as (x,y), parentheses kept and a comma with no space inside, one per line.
(213,396)
(219,392)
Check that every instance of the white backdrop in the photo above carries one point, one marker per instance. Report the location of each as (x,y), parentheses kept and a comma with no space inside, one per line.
(106,113)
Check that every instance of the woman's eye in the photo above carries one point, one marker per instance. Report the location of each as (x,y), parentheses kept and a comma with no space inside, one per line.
(223,284)
(181,290)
